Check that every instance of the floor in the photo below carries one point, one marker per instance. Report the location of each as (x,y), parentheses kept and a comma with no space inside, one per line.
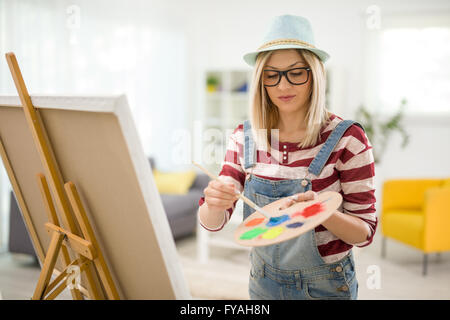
(398,276)
(225,275)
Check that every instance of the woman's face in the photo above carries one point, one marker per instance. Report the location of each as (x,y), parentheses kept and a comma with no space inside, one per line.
(286,96)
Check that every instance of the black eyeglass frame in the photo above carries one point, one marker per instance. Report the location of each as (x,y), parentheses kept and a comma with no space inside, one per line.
(284,73)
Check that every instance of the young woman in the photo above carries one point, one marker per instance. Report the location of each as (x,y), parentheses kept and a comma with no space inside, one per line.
(314,151)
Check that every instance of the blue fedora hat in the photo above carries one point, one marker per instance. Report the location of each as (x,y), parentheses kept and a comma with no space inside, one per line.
(287,32)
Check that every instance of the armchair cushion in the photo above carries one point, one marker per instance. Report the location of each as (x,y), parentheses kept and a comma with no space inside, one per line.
(446,183)
(405,226)
(437,219)
(416,212)
(406,193)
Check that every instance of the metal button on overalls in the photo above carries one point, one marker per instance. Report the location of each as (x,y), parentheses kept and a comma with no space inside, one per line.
(343,288)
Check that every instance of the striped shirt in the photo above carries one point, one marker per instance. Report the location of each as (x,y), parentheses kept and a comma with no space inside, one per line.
(349,171)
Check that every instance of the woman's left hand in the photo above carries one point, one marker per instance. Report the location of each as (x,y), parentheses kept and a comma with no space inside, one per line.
(299,197)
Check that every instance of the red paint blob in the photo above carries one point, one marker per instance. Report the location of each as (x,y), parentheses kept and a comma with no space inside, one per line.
(313,210)
(254,222)
(309,211)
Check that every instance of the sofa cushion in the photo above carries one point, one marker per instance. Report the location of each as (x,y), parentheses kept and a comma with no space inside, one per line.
(19,238)
(181,205)
(174,182)
(151,160)
(183,226)
(201,181)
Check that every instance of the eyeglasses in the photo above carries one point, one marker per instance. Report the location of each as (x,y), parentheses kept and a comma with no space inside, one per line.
(296,76)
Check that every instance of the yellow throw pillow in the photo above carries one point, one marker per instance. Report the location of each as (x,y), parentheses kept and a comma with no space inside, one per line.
(174,182)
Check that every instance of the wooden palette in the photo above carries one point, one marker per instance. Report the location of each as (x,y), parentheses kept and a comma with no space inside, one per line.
(286,224)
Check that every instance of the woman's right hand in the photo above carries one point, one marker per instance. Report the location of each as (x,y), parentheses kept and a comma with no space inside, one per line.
(219,196)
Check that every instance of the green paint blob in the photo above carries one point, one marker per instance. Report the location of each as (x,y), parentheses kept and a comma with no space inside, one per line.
(252,233)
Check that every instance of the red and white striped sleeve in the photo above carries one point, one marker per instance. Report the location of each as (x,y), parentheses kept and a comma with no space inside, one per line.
(231,172)
(356,173)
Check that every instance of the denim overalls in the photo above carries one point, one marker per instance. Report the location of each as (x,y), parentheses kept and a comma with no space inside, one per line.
(294,269)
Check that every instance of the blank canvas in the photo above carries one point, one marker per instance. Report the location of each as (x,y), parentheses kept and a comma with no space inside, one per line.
(97,147)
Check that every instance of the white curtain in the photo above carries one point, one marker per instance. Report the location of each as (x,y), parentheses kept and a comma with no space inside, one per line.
(100,48)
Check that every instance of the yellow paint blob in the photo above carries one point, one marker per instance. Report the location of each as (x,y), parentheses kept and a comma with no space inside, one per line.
(272,233)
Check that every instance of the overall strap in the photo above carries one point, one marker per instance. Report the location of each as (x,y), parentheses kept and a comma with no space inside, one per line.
(249,146)
(321,159)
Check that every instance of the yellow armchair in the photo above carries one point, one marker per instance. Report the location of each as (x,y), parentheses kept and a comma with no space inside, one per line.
(417,213)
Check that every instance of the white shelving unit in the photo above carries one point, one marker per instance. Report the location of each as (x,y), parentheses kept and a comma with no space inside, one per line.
(223,109)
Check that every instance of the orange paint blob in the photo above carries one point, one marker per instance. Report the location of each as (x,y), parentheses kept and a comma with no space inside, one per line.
(254,222)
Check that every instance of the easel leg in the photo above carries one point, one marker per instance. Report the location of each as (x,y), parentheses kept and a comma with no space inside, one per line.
(52,216)
(48,202)
(100,264)
(49,264)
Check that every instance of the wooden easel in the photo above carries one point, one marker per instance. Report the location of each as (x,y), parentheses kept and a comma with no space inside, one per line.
(88,256)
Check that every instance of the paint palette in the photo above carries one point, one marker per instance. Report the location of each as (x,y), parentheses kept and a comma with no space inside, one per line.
(286,224)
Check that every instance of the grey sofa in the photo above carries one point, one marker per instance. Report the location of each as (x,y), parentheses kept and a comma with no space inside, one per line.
(19,240)
(181,210)
(181,213)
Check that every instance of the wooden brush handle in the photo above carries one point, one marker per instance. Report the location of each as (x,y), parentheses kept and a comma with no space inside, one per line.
(244,198)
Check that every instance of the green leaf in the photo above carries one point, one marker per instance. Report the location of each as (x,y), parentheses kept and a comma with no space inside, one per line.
(378,132)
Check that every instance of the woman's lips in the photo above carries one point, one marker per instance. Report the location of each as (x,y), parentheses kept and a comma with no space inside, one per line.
(286,98)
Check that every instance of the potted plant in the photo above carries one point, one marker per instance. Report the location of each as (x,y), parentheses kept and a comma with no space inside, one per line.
(379,131)
(212,83)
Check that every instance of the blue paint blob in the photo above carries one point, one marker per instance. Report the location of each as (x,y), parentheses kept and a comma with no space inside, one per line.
(274,221)
(295,225)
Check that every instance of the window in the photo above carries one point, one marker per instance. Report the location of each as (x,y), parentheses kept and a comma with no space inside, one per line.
(415,65)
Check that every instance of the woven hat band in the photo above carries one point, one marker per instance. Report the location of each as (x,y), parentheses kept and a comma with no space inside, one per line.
(285,41)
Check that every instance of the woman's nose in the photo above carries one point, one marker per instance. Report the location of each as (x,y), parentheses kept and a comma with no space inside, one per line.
(284,83)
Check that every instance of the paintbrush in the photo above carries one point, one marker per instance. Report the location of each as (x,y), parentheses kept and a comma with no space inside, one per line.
(244,198)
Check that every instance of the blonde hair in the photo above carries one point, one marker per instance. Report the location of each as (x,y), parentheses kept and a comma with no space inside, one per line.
(264,114)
